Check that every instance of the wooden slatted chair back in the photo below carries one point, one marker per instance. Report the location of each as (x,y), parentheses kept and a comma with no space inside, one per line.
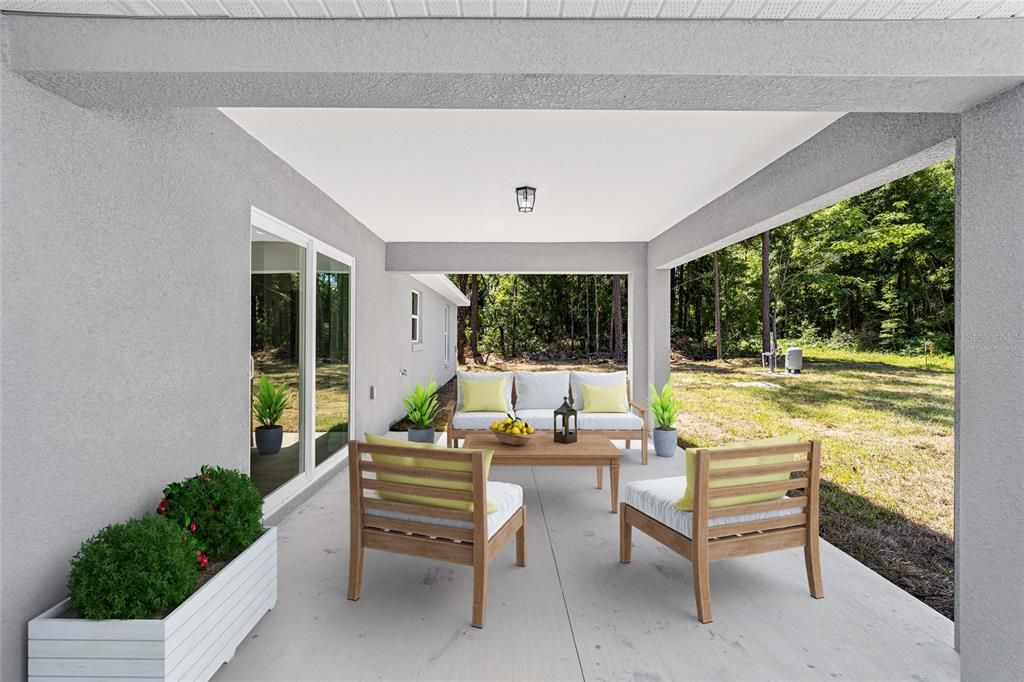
(405,471)
(796,481)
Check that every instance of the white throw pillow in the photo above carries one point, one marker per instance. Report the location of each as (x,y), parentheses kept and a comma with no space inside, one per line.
(541,390)
(487,376)
(577,379)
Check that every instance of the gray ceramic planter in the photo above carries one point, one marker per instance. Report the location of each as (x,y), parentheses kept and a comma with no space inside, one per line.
(268,439)
(665,442)
(417,435)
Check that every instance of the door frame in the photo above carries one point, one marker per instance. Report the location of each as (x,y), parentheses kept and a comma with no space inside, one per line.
(307,425)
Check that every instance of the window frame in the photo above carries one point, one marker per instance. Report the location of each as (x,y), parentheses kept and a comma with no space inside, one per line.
(417,317)
(311,472)
(445,325)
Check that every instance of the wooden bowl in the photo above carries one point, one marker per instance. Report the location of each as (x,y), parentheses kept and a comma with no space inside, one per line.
(511,438)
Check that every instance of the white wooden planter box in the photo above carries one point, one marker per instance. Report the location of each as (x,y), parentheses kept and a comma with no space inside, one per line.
(191,643)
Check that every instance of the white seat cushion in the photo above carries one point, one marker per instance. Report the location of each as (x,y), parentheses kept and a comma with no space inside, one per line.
(487,376)
(577,379)
(507,497)
(610,421)
(538,419)
(541,390)
(657,499)
(475,420)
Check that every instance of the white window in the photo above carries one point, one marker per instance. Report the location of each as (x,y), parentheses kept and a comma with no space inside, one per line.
(444,327)
(415,316)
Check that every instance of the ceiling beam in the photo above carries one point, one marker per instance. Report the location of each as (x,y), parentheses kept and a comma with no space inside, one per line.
(491,63)
(512,257)
(856,153)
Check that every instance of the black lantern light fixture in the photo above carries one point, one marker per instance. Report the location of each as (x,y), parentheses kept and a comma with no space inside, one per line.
(525,197)
(564,432)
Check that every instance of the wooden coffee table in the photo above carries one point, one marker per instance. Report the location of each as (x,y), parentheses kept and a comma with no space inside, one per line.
(542,450)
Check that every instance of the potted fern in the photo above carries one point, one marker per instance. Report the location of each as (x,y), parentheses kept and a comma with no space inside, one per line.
(268,407)
(421,407)
(665,409)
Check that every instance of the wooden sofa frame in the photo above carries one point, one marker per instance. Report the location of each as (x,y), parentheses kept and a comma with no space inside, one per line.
(466,546)
(715,543)
(455,435)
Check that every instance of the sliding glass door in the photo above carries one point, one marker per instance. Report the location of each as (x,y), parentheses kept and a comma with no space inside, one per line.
(276,317)
(300,357)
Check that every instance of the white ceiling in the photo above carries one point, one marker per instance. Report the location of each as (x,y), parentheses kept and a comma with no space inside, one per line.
(669,9)
(450,175)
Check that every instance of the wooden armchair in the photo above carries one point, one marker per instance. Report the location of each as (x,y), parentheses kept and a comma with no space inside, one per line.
(416,477)
(725,532)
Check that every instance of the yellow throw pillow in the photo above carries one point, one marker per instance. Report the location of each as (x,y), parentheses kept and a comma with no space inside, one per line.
(486,395)
(685,503)
(604,398)
(462,505)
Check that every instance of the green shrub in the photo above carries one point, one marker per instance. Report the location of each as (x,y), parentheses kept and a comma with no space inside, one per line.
(221,507)
(142,568)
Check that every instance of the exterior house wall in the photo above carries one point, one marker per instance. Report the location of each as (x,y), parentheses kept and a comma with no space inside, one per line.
(125,319)
(989,376)
(425,361)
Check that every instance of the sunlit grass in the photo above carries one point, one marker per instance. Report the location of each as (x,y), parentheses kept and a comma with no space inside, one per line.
(886,426)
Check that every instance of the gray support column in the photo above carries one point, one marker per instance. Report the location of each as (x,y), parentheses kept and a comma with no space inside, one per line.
(639,346)
(990,390)
(659,318)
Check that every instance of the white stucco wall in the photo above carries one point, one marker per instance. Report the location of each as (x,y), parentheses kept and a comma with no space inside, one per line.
(125,320)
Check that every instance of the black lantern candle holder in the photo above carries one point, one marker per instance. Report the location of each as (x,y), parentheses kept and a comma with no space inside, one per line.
(566,431)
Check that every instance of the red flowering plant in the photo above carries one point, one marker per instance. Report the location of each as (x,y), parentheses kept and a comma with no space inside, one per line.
(221,508)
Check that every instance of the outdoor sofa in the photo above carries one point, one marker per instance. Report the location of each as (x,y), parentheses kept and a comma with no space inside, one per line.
(533,396)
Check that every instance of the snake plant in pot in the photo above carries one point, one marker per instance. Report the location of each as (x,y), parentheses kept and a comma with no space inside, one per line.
(665,409)
(268,408)
(421,407)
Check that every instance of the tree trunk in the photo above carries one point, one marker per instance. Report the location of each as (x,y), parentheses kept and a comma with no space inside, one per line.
(617,349)
(586,334)
(597,320)
(718,312)
(474,319)
(460,329)
(766,291)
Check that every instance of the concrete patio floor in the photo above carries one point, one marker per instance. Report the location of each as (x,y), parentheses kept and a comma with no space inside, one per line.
(575,612)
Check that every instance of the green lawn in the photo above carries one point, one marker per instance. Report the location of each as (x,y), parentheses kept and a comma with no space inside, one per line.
(332,393)
(886,424)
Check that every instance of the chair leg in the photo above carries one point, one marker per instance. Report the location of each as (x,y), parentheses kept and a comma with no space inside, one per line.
(627,443)
(521,540)
(479,593)
(643,448)
(702,589)
(625,536)
(600,477)
(813,560)
(355,567)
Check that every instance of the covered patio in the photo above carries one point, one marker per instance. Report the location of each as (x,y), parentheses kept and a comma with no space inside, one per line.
(128,156)
(575,612)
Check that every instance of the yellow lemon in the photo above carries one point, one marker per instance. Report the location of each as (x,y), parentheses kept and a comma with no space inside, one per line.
(530,429)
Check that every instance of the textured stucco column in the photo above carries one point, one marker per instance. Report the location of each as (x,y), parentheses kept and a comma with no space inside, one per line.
(636,313)
(990,389)
(659,318)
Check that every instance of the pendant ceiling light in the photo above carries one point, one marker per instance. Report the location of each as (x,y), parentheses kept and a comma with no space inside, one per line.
(525,196)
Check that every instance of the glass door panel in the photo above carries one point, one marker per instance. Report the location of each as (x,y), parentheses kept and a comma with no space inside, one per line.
(277,338)
(333,336)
